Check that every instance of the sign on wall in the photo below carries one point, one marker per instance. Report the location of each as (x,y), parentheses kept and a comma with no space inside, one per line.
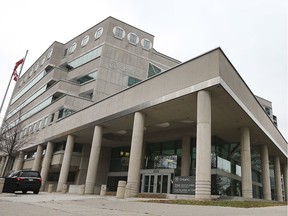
(184,185)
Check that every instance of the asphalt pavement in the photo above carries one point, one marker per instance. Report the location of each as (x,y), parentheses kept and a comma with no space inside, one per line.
(52,204)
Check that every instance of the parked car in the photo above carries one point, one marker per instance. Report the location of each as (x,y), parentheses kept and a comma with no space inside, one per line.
(23,180)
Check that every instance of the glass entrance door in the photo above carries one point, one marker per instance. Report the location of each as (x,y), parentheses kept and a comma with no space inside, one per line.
(155,183)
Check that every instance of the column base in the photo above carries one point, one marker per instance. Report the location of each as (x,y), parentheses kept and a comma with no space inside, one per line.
(247,194)
(203,190)
(59,187)
(131,189)
(89,188)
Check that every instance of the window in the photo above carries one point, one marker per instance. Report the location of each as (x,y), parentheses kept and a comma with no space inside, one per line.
(45,121)
(27,101)
(268,110)
(87,94)
(35,127)
(65,112)
(132,81)
(86,78)
(36,67)
(49,54)
(52,117)
(40,124)
(21,134)
(133,38)
(25,78)
(119,32)
(146,44)
(42,61)
(25,132)
(31,72)
(29,85)
(34,110)
(85,40)
(153,70)
(98,33)
(77,148)
(20,82)
(85,58)
(65,52)
(72,48)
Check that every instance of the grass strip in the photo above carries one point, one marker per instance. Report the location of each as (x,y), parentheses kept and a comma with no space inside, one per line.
(223,203)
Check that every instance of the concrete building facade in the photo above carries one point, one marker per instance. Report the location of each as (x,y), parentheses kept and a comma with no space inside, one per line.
(106,106)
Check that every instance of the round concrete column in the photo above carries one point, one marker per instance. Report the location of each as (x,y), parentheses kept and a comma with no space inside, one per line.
(46,164)
(203,146)
(285,175)
(20,160)
(185,161)
(277,171)
(246,164)
(2,164)
(66,163)
(38,158)
(132,186)
(265,173)
(93,160)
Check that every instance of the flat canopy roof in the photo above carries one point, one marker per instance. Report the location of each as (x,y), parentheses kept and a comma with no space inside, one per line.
(169,102)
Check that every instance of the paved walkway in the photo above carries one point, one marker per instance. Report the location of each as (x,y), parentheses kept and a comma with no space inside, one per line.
(51,204)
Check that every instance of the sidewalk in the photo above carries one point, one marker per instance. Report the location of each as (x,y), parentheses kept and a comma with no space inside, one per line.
(51,204)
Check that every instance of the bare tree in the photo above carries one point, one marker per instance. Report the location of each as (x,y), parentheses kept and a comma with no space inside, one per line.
(11,140)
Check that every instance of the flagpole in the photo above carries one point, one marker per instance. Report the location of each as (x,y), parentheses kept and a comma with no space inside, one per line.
(6,93)
(10,82)
(23,63)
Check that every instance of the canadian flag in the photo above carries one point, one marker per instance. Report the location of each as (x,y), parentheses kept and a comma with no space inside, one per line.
(15,74)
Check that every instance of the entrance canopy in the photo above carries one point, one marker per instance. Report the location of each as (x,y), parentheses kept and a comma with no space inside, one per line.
(169,100)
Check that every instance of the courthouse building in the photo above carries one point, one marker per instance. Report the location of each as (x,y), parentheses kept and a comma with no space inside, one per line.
(106,106)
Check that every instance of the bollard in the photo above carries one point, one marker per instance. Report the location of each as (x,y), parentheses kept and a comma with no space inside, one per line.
(2,181)
(64,188)
(50,188)
(103,190)
(121,189)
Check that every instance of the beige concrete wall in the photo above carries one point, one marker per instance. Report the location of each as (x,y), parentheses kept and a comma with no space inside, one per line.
(57,158)
(28,164)
(189,74)
(248,100)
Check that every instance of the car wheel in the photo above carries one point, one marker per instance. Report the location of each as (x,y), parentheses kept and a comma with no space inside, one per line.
(24,192)
(36,192)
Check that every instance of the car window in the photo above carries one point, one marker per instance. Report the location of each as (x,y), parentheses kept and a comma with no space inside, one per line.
(29,174)
(12,174)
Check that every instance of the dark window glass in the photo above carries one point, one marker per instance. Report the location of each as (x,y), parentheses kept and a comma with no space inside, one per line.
(153,70)
(132,81)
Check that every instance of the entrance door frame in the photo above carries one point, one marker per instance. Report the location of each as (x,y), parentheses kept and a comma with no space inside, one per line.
(156,173)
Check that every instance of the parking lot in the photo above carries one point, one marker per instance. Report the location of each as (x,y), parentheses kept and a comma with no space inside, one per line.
(51,204)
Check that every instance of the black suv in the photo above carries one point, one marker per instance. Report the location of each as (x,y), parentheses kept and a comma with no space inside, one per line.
(23,180)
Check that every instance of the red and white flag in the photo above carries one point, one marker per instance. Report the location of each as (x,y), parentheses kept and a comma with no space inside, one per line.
(15,74)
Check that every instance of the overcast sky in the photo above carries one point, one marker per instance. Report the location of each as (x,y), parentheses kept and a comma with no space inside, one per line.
(252,33)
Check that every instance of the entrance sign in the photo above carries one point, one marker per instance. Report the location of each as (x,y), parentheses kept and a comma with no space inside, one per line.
(184,185)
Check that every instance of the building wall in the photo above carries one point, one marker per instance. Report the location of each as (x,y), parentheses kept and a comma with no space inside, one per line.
(246,99)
